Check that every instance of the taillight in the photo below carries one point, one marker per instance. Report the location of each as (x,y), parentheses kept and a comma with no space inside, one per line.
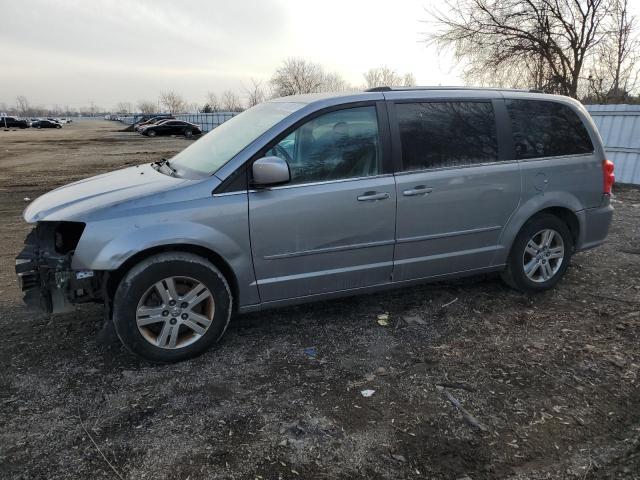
(609,177)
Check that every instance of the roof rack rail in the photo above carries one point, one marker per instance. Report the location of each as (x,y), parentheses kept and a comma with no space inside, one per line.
(454,87)
(378,89)
(535,90)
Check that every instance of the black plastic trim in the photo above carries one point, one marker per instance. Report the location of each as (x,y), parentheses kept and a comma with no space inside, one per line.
(236,182)
(384,132)
(396,144)
(506,147)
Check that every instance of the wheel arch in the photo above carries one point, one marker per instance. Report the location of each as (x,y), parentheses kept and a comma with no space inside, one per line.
(568,216)
(562,211)
(115,276)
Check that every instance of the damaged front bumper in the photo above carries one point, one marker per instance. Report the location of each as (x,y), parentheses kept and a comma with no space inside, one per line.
(44,269)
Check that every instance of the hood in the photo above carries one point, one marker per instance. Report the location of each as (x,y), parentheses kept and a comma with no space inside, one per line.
(72,202)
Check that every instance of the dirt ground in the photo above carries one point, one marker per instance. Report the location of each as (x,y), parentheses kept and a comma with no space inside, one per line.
(553,377)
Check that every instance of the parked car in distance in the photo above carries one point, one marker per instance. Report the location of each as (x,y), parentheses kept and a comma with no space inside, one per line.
(45,124)
(320,196)
(171,127)
(13,122)
(152,120)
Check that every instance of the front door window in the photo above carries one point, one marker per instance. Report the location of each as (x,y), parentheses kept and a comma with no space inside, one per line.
(334,146)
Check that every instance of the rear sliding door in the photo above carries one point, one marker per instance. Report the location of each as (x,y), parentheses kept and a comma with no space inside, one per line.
(455,187)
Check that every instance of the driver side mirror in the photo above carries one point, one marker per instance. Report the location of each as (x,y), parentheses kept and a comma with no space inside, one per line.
(269,171)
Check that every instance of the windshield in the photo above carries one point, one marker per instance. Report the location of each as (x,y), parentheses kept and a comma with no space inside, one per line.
(221,144)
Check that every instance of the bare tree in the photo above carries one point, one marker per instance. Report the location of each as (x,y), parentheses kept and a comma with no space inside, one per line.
(213,103)
(623,53)
(381,77)
(333,82)
(172,101)
(255,93)
(297,76)
(614,73)
(554,38)
(230,101)
(22,105)
(409,80)
(147,107)
(386,77)
(124,107)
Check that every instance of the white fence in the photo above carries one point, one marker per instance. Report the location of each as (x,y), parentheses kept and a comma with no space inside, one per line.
(619,126)
(207,121)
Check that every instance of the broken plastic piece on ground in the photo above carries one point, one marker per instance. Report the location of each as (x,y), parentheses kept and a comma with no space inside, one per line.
(383,319)
(310,352)
(367,393)
(414,320)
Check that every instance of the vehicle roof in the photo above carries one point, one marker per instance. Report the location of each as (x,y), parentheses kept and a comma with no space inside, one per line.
(396,93)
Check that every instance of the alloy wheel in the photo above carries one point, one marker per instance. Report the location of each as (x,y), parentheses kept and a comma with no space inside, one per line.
(175,312)
(543,255)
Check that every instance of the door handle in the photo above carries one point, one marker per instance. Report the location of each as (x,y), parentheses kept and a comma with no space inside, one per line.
(366,196)
(419,190)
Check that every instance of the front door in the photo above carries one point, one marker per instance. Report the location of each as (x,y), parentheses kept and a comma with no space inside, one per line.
(455,192)
(331,228)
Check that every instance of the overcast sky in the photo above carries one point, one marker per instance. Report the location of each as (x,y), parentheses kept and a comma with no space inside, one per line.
(71,52)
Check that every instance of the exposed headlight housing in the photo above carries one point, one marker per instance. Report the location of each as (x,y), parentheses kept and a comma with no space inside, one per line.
(67,235)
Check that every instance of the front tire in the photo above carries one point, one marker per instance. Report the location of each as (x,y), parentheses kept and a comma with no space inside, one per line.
(151,133)
(540,254)
(171,307)
(188,133)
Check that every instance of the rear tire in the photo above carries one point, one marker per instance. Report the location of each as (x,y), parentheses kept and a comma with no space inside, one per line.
(171,307)
(540,254)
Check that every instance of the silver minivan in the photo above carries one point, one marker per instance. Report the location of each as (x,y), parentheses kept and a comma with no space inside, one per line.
(317,196)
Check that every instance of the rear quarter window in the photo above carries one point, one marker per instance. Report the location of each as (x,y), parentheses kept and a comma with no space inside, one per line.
(546,129)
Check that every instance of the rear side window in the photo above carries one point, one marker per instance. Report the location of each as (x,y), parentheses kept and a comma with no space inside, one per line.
(446,134)
(546,129)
